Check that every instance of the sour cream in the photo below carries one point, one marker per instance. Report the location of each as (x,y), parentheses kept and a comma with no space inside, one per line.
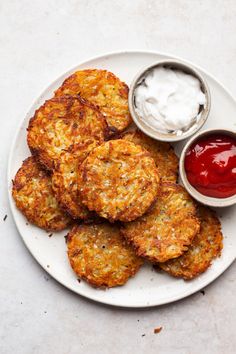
(168,100)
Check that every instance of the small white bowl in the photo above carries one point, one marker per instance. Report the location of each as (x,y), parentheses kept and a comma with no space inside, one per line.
(178,65)
(214,202)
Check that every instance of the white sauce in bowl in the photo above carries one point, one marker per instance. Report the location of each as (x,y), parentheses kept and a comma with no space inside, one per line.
(168,100)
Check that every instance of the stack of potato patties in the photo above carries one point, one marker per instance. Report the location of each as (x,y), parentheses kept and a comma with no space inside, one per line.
(116,188)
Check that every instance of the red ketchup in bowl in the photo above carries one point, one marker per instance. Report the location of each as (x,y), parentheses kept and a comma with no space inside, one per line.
(210,165)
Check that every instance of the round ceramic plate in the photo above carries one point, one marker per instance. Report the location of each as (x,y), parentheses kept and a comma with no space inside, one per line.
(147,288)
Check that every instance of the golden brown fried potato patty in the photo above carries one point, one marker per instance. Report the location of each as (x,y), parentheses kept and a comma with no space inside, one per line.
(206,246)
(162,153)
(65,126)
(118,180)
(103,89)
(99,255)
(168,229)
(33,195)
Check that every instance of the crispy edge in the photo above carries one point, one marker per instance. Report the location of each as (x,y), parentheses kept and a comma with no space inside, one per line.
(67,202)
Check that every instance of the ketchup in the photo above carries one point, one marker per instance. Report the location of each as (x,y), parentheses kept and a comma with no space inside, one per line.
(210,165)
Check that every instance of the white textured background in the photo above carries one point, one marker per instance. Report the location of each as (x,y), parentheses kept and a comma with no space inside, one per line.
(39,40)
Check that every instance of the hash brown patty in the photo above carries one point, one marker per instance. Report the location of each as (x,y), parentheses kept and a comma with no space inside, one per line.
(65,126)
(162,153)
(118,180)
(33,195)
(168,229)
(206,246)
(99,255)
(104,90)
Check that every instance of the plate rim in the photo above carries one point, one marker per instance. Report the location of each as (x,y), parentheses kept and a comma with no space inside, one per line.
(10,199)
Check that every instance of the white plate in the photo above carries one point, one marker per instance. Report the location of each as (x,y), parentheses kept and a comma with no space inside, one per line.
(147,288)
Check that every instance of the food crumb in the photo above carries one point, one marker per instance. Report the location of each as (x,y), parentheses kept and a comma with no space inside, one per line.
(50,235)
(157,330)
(5,217)
(143,335)
(79,280)
(202,292)
(48,266)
